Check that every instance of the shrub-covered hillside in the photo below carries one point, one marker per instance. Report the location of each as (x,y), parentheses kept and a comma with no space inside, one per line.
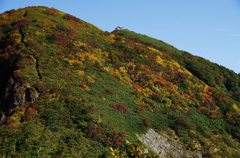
(69,89)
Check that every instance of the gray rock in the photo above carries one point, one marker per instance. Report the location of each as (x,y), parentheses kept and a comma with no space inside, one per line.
(164,146)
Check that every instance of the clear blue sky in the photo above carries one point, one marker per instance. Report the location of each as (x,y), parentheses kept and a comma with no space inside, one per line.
(206,28)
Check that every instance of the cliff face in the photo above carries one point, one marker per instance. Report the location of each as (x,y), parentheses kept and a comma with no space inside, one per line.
(69,89)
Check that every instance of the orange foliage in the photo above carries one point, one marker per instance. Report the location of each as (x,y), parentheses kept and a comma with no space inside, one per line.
(34,105)
(121,84)
(214,114)
(203,109)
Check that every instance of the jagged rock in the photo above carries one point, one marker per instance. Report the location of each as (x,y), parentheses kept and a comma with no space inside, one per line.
(164,146)
(18,91)
(2,116)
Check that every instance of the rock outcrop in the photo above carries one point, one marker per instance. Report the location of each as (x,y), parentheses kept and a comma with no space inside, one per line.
(18,90)
(164,146)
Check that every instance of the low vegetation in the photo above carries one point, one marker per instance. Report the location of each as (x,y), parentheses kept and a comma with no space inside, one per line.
(69,89)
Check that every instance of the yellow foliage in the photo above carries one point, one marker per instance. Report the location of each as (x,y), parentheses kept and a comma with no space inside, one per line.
(123,70)
(79,72)
(15,117)
(205,88)
(78,44)
(38,33)
(159,60)
(91,78)
(16,36)
(168,105)
(112,35)
(71,62)
(44,44)
(92,57)
(61,13)
(236,108)
(155,50)
(184,103)
(106,69)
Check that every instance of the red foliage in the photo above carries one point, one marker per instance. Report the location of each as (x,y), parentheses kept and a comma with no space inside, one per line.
(23,22)
(53,20)
(91,109)
(22,108)
(70,17)
(53,90)
(141,109)
(233,118)
(5,55)
(51,12)
(116,141)
(82,85)
(114,133)
(177,108)
(110,91)
(34,105)
(182,121)
(159,84)
(27,118)
(148,43)
(130,67)
(137,47)
(69,86)
(87,25)
(181,76)
(146,122)
(156,96)
(220,98)
(175,67)
(73,117)
(31,73)
(121,107)
(32,111)
(207,101)
(61,39)
(91,100)
(127,57)
(123,133)
(47,74)
(152,56)
(5,25)
(9,125)
(93,132)
(113,106)
(68,31)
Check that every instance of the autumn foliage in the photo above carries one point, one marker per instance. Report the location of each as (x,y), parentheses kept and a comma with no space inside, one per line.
(70,89)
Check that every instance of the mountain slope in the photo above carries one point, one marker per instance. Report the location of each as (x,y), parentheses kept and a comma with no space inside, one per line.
(69,89)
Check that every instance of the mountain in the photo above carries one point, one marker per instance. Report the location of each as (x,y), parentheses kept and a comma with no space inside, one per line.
(70,89)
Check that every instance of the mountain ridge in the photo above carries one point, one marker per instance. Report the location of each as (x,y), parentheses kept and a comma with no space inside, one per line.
(69,89)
